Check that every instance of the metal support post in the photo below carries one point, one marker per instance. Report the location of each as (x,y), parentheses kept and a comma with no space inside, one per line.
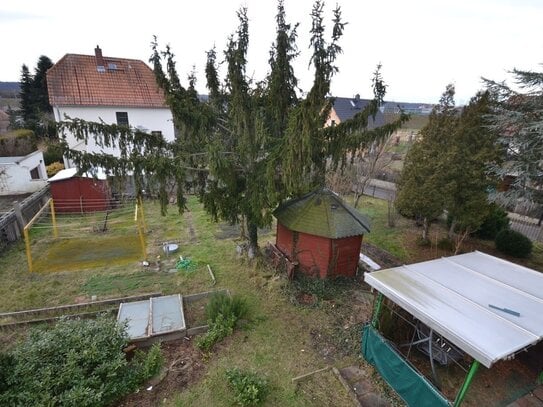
(27,246)
(377,310)
(53,219)
(466,384)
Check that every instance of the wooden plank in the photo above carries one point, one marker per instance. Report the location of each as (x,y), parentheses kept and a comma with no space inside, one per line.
(37,215)
(305,376)
(194,297)
(212,275)
(350,391)
(82,305)
(19,324)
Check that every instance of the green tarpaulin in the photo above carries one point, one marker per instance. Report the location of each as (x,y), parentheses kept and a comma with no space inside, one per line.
(413,388)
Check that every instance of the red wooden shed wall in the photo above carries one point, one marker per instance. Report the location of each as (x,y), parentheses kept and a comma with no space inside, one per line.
(284,240)
(80,194)
(314,254)
(345,255)
(320,256)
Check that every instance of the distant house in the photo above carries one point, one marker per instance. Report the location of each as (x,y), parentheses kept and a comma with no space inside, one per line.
(22,174)
(73,192)
(346,108)
(321,234)
(408,107)
(113,90)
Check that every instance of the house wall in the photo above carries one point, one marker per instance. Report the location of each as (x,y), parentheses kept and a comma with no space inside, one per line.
(148,119)
(313,254)
(80,194)
(345,255)
(15,176)
(284,240)
(332,118)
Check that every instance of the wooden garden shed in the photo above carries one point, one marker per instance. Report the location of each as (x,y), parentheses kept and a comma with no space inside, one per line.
(321,233)
(72,192)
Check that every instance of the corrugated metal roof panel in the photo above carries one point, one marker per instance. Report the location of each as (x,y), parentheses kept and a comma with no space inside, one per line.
(472,300)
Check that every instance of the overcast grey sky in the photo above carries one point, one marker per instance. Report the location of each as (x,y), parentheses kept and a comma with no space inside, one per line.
(423,45)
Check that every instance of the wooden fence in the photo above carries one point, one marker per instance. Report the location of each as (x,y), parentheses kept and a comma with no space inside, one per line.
(13,222)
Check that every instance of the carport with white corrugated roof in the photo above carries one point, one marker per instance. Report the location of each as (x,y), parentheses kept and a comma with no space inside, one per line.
(487,307)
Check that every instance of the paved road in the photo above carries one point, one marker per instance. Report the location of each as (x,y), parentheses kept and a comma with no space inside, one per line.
(380,189)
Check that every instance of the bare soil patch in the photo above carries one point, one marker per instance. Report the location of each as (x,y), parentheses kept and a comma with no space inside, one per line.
(184,365)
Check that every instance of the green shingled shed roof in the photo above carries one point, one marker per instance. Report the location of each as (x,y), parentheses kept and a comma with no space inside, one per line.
(322,213)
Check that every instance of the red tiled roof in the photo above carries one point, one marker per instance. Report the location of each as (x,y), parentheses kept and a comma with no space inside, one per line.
(76,80)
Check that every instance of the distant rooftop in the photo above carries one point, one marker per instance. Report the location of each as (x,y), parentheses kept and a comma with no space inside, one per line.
(347,108)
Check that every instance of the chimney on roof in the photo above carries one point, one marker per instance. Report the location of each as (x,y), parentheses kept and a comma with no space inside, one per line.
(357,96)
(100,64)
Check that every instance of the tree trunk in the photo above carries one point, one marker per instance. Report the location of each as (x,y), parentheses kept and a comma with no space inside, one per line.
(252,231)
(357,199)
(425,228)
(461,237)
(451,229)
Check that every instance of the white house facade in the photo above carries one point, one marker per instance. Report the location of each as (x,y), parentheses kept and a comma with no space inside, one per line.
(22,175)
(110,90)
(146,119)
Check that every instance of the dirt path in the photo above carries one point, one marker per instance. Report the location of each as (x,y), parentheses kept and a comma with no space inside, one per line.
(190,225)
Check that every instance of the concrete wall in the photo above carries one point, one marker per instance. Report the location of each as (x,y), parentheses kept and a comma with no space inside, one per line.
(15,174)
(147,119)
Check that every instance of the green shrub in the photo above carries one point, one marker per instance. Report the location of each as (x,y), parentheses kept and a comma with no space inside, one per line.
(223,312)
(53,168)
(147,365)
(423,242)
(513,243)
(52,154)
(321,289)
(75,363)
(17,143)
(445,244)
(221,303)
(218,330)
(495,221)
(249,388)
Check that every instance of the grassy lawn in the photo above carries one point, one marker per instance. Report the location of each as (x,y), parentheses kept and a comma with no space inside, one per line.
(283,339)
(276,343)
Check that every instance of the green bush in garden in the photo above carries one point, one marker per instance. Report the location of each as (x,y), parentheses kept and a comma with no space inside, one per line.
(250,389)
(513,243)
(75,363)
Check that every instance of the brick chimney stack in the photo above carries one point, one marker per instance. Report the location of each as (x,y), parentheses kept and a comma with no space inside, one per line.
(99,58)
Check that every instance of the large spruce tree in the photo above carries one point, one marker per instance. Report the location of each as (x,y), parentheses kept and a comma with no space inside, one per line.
(250,145)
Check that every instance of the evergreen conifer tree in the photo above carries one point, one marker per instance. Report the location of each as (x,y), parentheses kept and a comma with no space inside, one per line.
(471,152)
(36,111)
(422,186)
(27,96)
(251,145)
(517,118)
